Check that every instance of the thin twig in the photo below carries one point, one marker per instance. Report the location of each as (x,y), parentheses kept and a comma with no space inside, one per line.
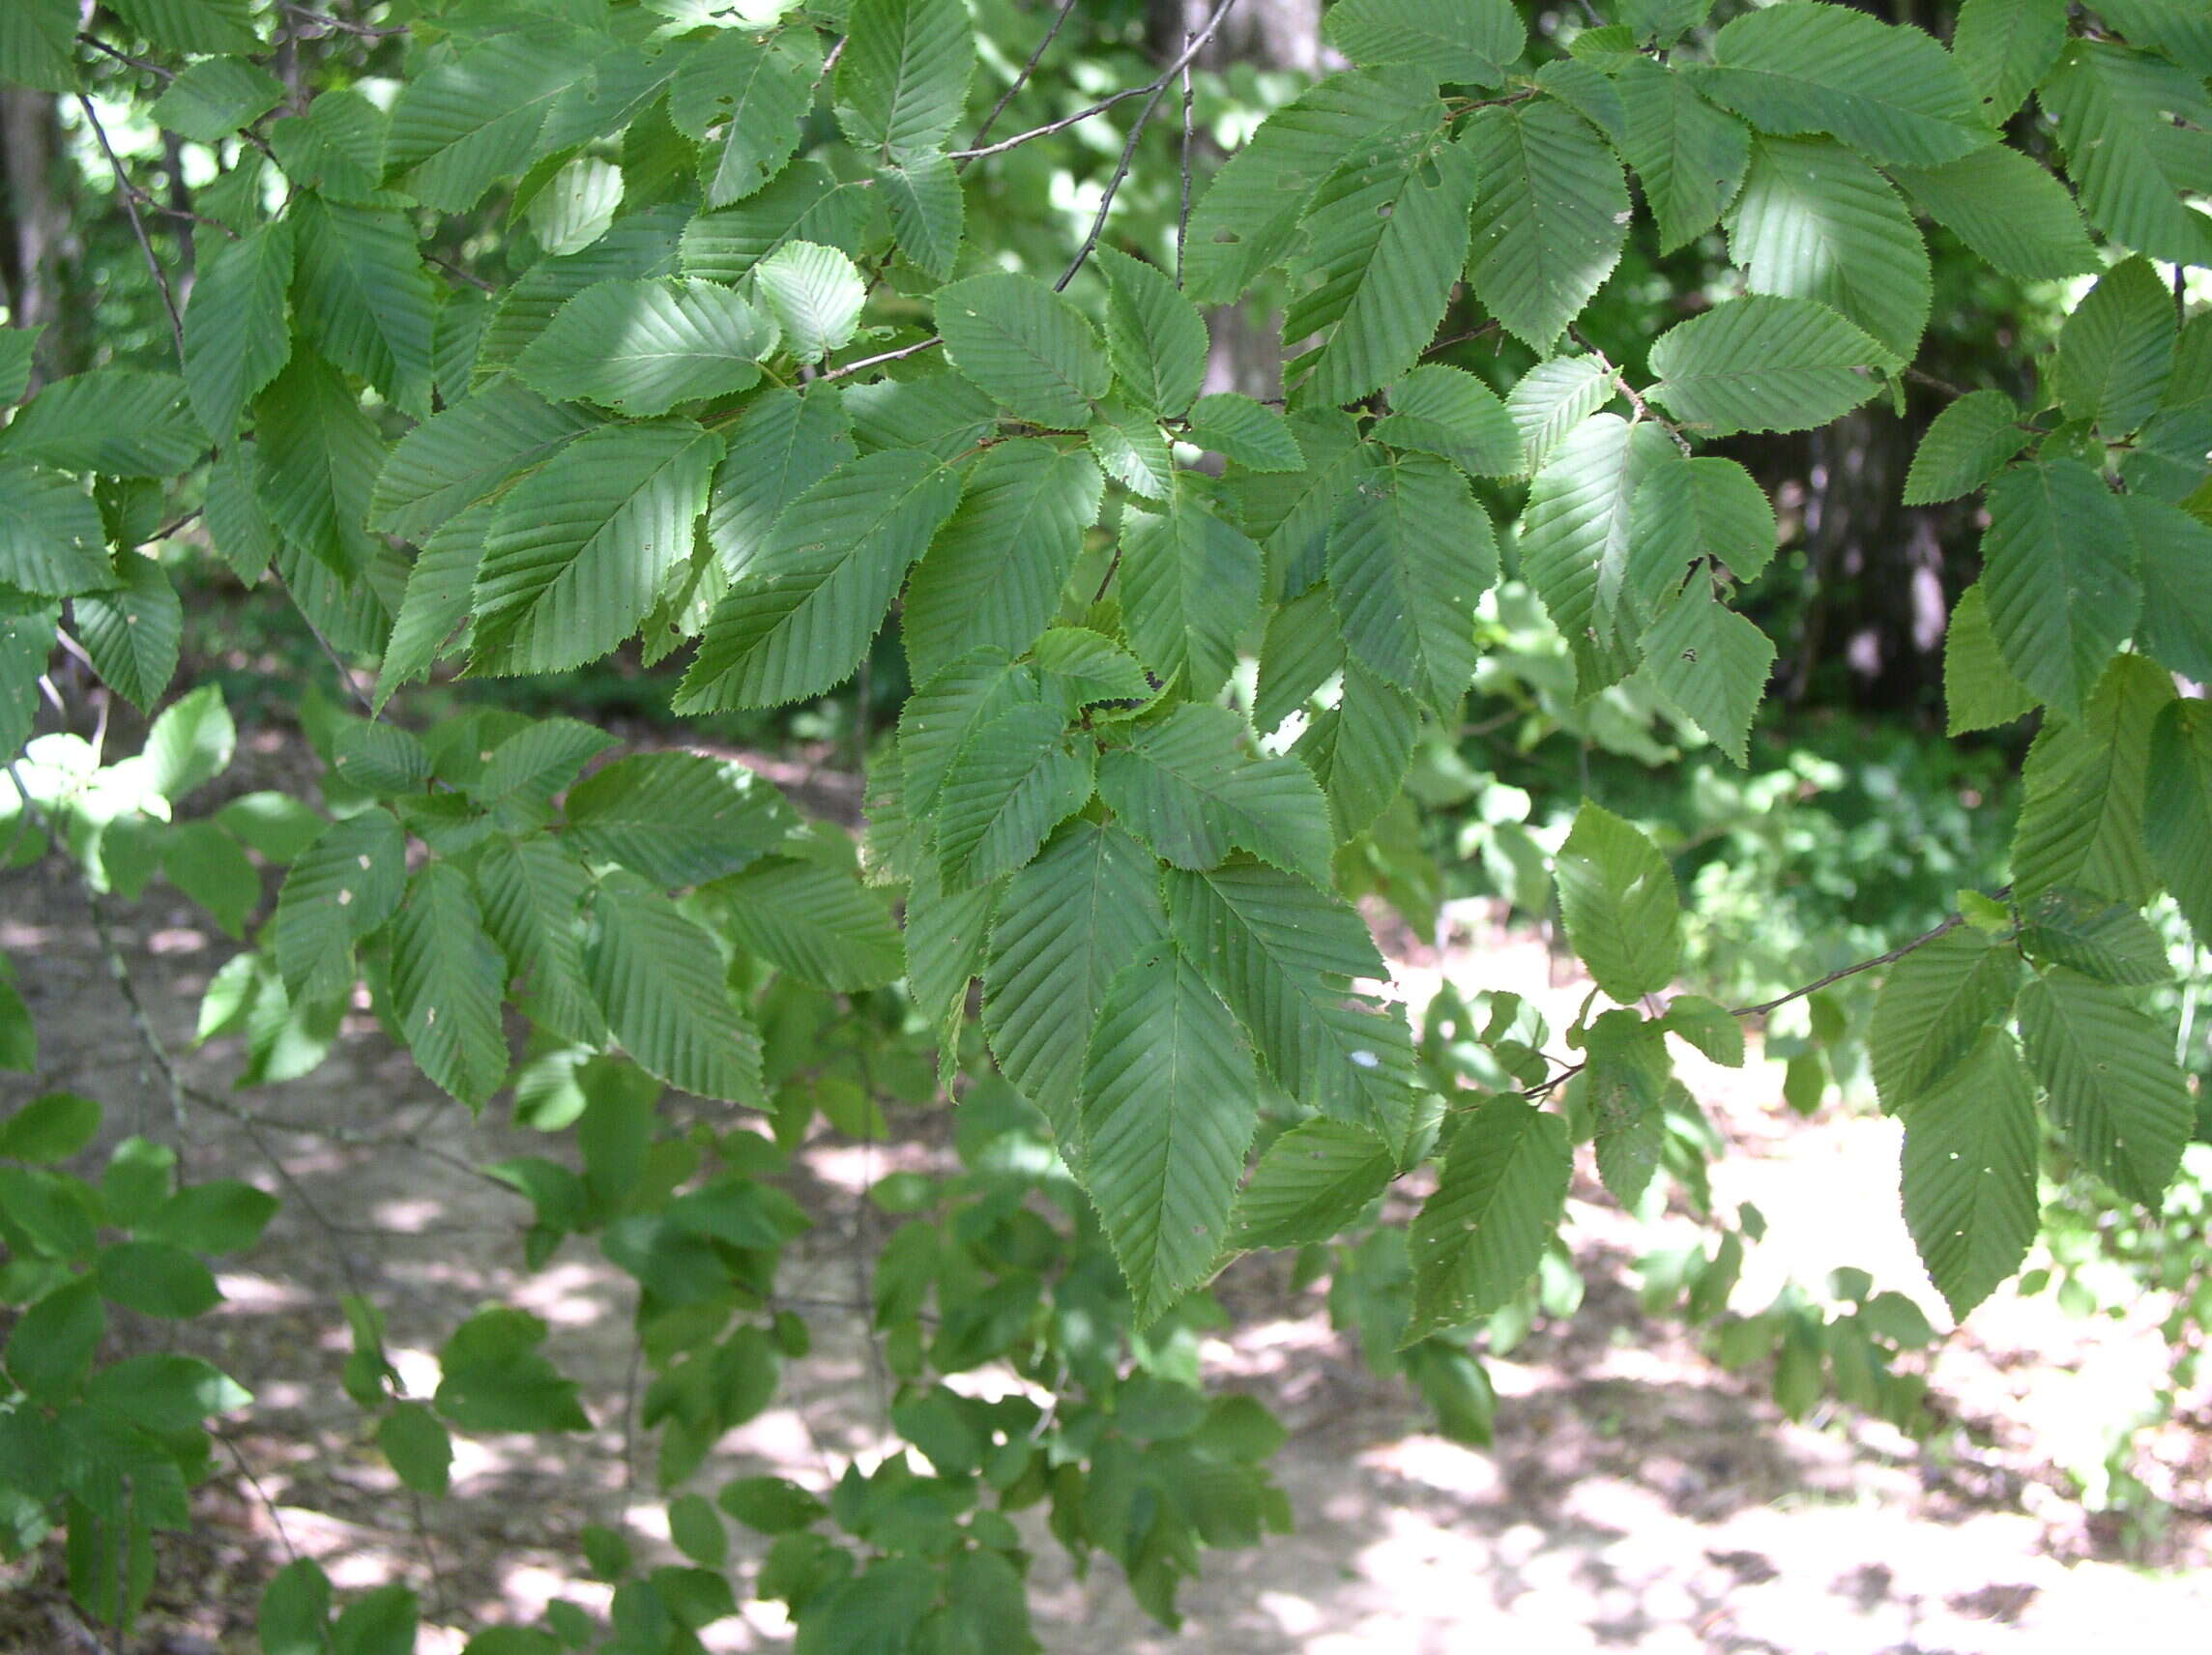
(143,65)
(1889,959)
(1644,410)
(344,25)
(1183,211)
(899,354)
(130,194)
(1020,80)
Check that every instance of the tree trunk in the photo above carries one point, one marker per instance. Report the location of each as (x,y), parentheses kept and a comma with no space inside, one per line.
(40,258)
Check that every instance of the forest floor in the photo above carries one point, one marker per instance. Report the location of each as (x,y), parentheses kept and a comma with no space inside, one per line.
(1638,1497)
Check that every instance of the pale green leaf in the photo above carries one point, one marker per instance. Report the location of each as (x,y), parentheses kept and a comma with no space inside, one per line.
(1577,539)
(819,923)
(1963,447)
(760,95)
(642,347)
(319,457)
(659,978)
(211,867)
(18,347)
(2005,46)
(1302,651)
(336,147)
(476,117)
(1189,585)
(364,298)
(1815,221)
(2115,352)
(804,203)
(1931,1010)
(1088,668)
(1290,513)
(26,639)
(1617,894)
(1170,1103)
(1710,665)
(1553,398)
(940,717)
(114,421)
(928,212)
(533,894)
(2008,209)
(1311,1183)
(1026,346)
(2175,551)
(2115,1092)
(37,40)
(237,336)
(2082,814)
(814,294)
(1014,781)
(2134,129)
(1361,749)
(51,539)
(1154,336)
(903,76)
(439,584)
(238,524)
(192,743)
(1887,90)
(796,621)
(1705,508)
(1470,41)
(1069,923)
(523,774)
(1766,363)
(1979,689)
(678,819)
(1551,217)
(1968,1178)
(1410,553)
(194,25)
(577,553)
(466,451)
(1250,433)
(446,985)
(1688,156)
(783,444)
(1497,1206)
(1447,411)
(343,887)
(1133,452)
(2106,941)
(133,631)
(577,205)
(1186,788)
(2058,573)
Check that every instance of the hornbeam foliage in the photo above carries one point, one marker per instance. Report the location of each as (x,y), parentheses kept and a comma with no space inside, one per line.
(746,335)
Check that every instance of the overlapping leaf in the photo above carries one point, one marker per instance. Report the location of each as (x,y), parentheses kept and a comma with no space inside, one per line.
(1969,1173)
(1551,217)
(659,978)
(2059,577)
(1187,789)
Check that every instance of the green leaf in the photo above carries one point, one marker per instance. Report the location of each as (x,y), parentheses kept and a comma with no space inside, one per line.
(223,1215)
(2006,207)
(1154,336)
(1014,781)
(576,207)
(237,336)
(494,1378)
(156,1279)
(1712,664)
(465,452)
(1887,90)
(814,294)
(522,773)
(476,117)
(799,616)
(2081,816)
(940,717)
(1931,1010)
(2058,576)
(782,445)
(2005,46)
(903,74)
(2116,351)
(1470,41)
(436,602)
(1069,922)
(1189,585)
(1313,1180)
(995,572)
(639,245)
(37,40)
(2117,1094)
(1689,156)
(2108,941)
(1551,211)
(1291,513)
(2175,552)
(805,203)
(2176,810)
(1617,894)
(577,553)
(343,887)
(1134,451)
(165,1393)
(1449,412)
(49,1128)
(133,631)
(1553,398)
(192,743)
(446,983)
(18,347)
(1283,955)
(51,539)
(2130,163)
(1361,749)
(194,25)
(1186,788)
(769,1505)
(336,147)
(1026,346)
(1250,433)
(928,212)
(762,95)
(238,522)
(364,298)
(296,1610)
(416,1443)
(1577,540)
(1815,221)
(1247,220)
(659,977)
(1978,687)
(817,923)
(1410,553)
(642,347)
(533,902)
(1765,363)
(1170,1102)
(117,422)
(380,758)
(1706,508)
(679,819)
(1496,1207)
(1385,239)
(319,455)
(1963,447)
(1969,1173)
(51,1346)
